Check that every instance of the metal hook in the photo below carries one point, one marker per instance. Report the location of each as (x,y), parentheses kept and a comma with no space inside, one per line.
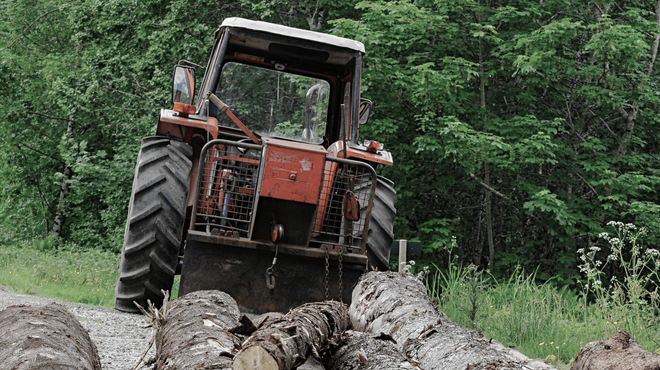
(270,276)
(270,281)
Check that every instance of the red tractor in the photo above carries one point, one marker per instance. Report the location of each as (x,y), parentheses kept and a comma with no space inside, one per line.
(262,184)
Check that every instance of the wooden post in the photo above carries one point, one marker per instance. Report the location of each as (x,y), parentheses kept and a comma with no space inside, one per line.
(403,246)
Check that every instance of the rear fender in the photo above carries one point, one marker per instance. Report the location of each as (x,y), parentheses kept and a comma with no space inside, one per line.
(172,125)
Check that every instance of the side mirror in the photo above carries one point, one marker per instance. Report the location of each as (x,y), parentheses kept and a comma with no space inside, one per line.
(183,85)
(365,110)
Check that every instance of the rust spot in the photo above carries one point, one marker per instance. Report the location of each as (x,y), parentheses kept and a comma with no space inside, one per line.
(305,164)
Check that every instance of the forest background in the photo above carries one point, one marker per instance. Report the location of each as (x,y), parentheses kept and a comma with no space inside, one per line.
(519,128)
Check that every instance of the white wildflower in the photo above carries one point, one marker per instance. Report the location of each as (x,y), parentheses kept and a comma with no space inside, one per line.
(611,223)
(652,252)
(598,263)
(603,235)
(597,282)
(612,257)
(615,241)
(581,250)
(594,248)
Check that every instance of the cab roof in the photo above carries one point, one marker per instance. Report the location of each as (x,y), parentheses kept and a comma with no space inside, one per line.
(291,32)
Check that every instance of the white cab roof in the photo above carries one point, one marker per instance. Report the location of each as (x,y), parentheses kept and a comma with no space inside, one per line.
(293,32)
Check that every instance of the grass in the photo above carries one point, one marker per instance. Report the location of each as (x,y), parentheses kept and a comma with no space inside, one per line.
(541,321)
(84,276)
(71,275)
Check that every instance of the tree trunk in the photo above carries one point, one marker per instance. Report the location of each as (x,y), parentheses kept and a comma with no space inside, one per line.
(397,305)
(64,189)
(198,332)
(619,352)
(45,337)
(365,351)
(489,222)
(288,341)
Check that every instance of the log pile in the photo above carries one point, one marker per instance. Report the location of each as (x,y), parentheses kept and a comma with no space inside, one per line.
(398,306)
(395,326)
(619,352)
(365,351)
(286,342)
(45,337)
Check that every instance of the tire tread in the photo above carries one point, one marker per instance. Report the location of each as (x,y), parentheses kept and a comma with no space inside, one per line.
(155,223)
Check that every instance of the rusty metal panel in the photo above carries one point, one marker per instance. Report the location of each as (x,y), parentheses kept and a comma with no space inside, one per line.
(292,171)
(331,226)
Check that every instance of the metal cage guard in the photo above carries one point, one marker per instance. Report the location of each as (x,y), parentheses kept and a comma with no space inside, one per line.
(227,188)
(227,195)
(331,227)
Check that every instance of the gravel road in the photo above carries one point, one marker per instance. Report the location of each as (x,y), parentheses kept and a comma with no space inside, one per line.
(119,337)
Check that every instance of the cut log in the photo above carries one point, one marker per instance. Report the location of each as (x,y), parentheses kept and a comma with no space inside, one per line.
(266,319)
(45,337)
(363,351)
(397,305)
(619,352)
(286,342)
(198,334)
(312,363)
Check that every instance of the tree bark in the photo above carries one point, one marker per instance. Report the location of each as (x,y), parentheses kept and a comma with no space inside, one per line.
(489,222)
(198,332)
(64,189)
(656,40)
(288,341)
(482,91)
(362,351)
(397,305)
(619,352)
(45,337)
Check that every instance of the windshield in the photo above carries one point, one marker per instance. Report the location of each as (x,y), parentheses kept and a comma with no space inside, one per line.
(274,103)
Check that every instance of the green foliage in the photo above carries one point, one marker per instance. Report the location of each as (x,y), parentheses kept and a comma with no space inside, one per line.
(548,106)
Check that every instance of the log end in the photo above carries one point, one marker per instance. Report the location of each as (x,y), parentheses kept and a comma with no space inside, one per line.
(255,358)
(619,352)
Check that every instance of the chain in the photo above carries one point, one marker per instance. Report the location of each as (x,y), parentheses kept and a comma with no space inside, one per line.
(341,273)
(327,273)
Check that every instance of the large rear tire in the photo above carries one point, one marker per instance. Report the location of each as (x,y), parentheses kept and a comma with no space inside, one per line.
(156,216)
(380,235)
